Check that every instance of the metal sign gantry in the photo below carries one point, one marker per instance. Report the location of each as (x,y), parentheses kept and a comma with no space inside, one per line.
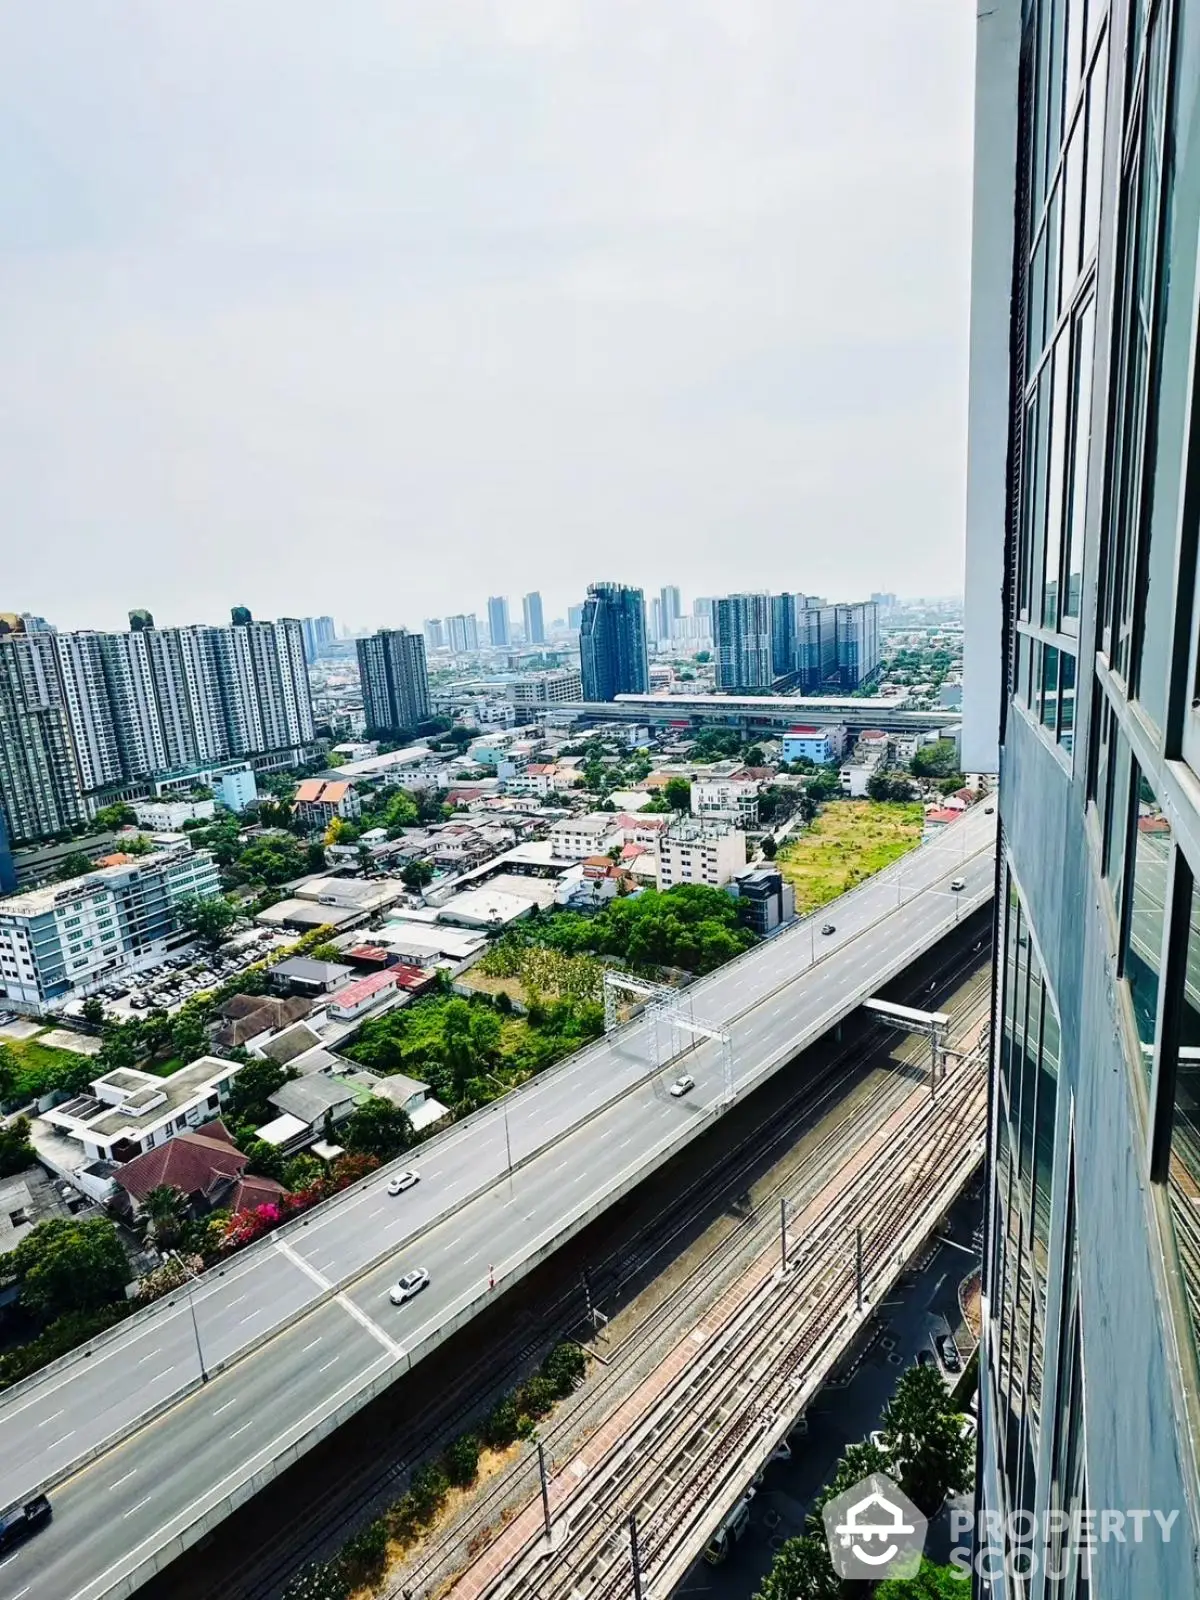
(670,1010)
(933,1024)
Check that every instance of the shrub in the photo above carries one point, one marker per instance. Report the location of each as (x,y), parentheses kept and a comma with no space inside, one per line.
(461,1461)
(364,1557)
(428,1490)
(536,1396)
(564,1367)
(500,1429)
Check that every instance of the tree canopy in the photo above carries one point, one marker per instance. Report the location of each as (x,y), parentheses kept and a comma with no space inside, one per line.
(211,916)
(929,1453)
(936,760)
(691,926)
(66,1265)
(930,1583)
(377,1128)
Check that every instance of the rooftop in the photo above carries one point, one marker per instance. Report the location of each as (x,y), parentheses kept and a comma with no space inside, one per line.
(37,902)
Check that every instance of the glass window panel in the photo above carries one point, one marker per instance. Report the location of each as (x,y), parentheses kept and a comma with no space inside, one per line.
(1054,87)
(1036,309)
(1066,699)
(1094,159)
(1054,489)
(1053,260)
(1076,33)
(1072,204)
(1029,1071)
(1184,1175)
(1035,682)
(1148,894)
(1029,497)
(1049,694)
(1118,813)
(1085,336)
(1023,655)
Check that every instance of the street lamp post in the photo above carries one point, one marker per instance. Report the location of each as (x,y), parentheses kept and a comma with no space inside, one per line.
(192,1308)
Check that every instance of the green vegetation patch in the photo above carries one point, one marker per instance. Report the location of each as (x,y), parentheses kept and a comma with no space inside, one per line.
(850,840)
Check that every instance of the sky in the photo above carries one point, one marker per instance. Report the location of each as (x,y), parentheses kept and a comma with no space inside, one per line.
(381,307)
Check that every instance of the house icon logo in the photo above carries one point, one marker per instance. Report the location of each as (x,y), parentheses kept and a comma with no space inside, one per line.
(874,1531)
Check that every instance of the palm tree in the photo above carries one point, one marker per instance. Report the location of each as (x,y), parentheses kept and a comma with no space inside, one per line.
(166,1211)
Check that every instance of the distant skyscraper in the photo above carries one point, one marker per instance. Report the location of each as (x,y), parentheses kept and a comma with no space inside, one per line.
(816,644)
(140,619)
(654,621)
(857,643)
(535,628)
(612,642)
(498,631)
(670,610)
(395,685)
(462,633)
(318,632)
(240,616)
(435,634)
(37,624)
(742,638)
(575,617)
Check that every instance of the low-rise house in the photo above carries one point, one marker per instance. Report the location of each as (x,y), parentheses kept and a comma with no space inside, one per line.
(127,1112)
(807,743)
(206,1167)
(727,800)
(299,975)
(361,996)
(315,1098)
(643,830)
(318,801)
(251,1019)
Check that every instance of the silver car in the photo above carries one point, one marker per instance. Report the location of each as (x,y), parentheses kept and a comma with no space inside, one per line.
(409,1285)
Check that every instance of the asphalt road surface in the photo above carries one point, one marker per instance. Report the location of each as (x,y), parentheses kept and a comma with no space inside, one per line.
(316,1294)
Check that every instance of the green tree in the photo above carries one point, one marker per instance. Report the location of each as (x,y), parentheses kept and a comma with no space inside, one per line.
(364,1557)
(166,1211)
(92,1011)
(264,1159)
(116,816)
(10,1073)
(929,1453)
(824,785)
(272,859)
(247,1099)
(417,874)
(210,916)
(461,1461)
(377,1128)
(66,1265)
(402,812)
(801,1571)
(936,760)
(16,1152)
(930,1583)
(769,848)
(325,952)
(678,794)
(73,866)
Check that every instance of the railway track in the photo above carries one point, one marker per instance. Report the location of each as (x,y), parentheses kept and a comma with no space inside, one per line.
(749,1375)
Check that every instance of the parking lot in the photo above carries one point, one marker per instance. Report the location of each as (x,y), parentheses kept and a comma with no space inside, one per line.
(176,978)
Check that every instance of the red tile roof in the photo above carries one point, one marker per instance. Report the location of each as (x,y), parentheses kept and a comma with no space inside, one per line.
(251,1190)
(309,790)
(194,1163)
(363,988)
(805,733)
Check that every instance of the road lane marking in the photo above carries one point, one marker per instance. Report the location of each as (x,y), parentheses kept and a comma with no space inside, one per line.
(257,1312)
(328,1364)
(376,1212)
(51,1417)
(131,1473)
(163,1373)
(137,1507)
(149,1354)
(370,1325)
(63,1440)
(242,1429)
(225,1407)
(312,1342)
(297,1260)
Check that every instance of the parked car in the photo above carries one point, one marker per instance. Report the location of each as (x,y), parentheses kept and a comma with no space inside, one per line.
(828,927)
(730,1531)
(683,1085)
(948,1351)
(403,1181)
(409,1285)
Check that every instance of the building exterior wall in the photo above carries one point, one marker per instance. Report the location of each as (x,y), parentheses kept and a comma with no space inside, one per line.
(395,681)
(1089,1375)
(695,851)
(612,642)
(742,638)
(535,625)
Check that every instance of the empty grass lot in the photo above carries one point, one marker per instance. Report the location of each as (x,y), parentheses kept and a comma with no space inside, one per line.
(849,840)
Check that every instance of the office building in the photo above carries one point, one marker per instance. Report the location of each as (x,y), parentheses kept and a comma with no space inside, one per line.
(535,627)
(1082,564)
(612,642)
(654,621)
(767,897)
(670,609)
(462,633)
(435,634)
(575,618)
(498,629)
(742,642)
(68,938)
(554,687)
(395,685)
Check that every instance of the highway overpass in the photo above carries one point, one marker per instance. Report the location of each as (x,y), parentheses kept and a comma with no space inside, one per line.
(765,714)
(297,1333)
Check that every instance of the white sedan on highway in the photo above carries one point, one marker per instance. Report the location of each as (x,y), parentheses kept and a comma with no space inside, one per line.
(683,1085)
(402,1181)
(409,1285)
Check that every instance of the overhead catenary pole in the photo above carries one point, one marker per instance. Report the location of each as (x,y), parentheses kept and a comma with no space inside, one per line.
(783,1233)
(192,1308)
(633,1556)
(545,1486)
(858,1264)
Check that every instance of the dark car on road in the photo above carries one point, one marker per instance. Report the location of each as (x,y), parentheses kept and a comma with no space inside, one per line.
(948,1351)
(20,1522)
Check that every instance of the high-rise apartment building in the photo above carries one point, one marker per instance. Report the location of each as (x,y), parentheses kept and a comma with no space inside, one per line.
(462,633)
(612,642)
(655,632)
(816,644)
(8,871)
(742,642)
(87,717)
(857,626)
(498,629)
(435,634)
(535,626)
(670,609)
(395,686)
(319,633)
(1082,584)
(575,617)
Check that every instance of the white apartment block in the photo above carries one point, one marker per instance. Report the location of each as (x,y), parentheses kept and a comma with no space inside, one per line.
(64,940)
(554,687)
(128,1112)
(168,816)
(697,850)
(726,800)
(594,834)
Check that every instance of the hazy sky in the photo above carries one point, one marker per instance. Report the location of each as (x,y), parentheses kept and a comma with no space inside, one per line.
(379,308)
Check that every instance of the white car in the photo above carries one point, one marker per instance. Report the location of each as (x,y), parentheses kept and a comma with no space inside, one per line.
(683,1085)
(402,1181)
(958,883)
(409,1285)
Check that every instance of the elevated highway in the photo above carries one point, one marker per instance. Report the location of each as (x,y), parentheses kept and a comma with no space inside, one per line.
(297,1333)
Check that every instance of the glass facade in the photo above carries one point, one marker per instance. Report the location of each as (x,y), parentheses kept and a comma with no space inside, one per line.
(1090,1394)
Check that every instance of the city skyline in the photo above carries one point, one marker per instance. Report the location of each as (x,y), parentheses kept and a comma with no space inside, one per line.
(591,312)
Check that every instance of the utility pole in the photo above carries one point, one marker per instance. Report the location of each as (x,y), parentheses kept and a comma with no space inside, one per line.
(783,1233)
(545,1487)
(858,1265)
(587,1298)
(192,1309)
(633,1554)
(507,1145)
